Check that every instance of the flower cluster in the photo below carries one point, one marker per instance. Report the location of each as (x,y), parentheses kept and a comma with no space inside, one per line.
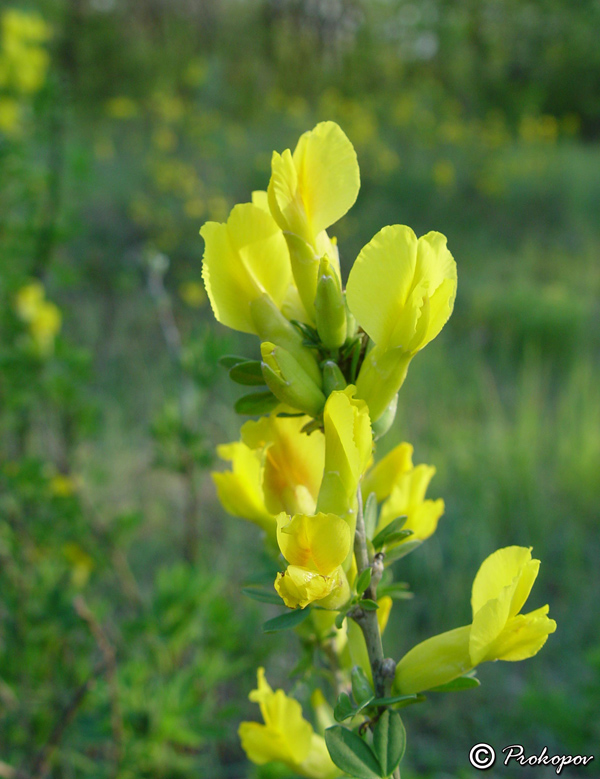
(24,63)
(42,317)
(332,361)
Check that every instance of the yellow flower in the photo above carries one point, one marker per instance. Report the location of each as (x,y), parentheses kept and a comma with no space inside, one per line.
(292,462)
(192,293)
(121,107)
(29,299)
(286,736)
(244,259)
(275,468)
(498,630)
(401,291)
(348,446)
(23,59)
(42,316)
(402,487)
(315,546)
(63,486)
(310,190)
(10,116)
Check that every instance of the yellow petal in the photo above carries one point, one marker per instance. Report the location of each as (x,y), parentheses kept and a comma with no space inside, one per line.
(285,736)
(383,612)
(424,519)
(489,622)
(243,259)
(434,662)
(319,542)
(402,290)
(523,636)
(298,587)
(239,490)
(381,280)
(348,447)
(328,175)
(293,462)
(498,571)
(260,199)
(318,764)
(383,476)
(285,202)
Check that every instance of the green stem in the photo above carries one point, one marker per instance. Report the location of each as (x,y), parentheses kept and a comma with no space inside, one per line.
(367,620)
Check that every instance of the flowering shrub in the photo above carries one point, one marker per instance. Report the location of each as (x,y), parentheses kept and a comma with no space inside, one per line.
(332,364)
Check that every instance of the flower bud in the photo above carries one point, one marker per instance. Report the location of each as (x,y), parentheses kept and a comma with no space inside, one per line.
(288,380)
(333,378)
(386,420)
(330,307)
(272,326)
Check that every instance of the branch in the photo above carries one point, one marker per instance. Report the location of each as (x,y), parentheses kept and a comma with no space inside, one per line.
(41,764)
(381,668)
(110,664)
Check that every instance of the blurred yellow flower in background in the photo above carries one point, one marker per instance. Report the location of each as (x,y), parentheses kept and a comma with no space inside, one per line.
(193,293)
(285,736)
(42,316)
(401,487)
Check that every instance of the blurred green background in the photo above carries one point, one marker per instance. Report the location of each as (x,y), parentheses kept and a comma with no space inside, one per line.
(126,648)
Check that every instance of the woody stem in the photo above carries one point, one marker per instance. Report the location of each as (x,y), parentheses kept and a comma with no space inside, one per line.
(367,620)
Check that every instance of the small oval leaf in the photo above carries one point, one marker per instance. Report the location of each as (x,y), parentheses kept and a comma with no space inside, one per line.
(389,741)
(248,373)
(361,686)
(393,527)
(229,360)
(351,754)
(370,514)
(402,550)
(286,621)
(363,581)
(262,595)
(256,404)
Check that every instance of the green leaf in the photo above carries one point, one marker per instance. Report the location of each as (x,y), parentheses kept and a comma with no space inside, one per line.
(394,526)
(395,538)
(344,708)
(370,514)
(363,581)
(368,605)
(395,591)
(351,754)
(248,373)
(286,621)
(389,741)
(361,686)
(392,699)
(402,550)
(262,595)
(306,330)
(462,683)
(229,360)
(256,403)
(340,618)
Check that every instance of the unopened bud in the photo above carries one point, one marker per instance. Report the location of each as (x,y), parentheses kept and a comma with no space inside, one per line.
(330,308)
(386,420)
(288,380)
(272,326)
(333,378)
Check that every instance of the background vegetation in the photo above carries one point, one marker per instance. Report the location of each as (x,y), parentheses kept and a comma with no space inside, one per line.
(126,649)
